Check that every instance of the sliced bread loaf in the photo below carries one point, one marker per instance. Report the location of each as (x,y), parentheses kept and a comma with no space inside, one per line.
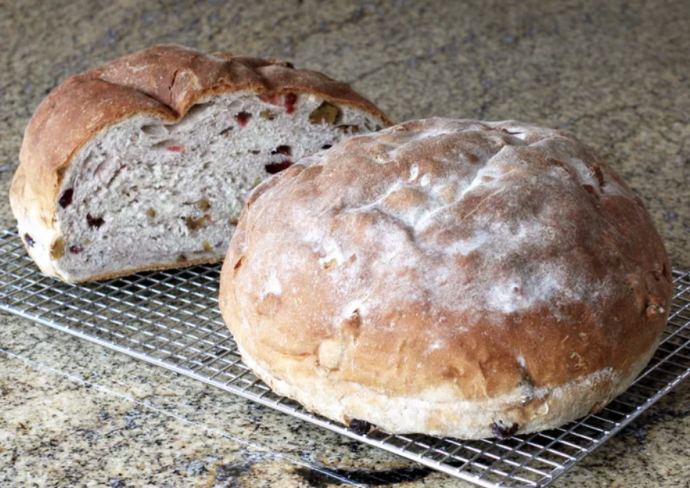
(146,162)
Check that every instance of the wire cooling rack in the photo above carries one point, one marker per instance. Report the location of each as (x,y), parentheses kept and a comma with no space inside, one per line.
(171,319)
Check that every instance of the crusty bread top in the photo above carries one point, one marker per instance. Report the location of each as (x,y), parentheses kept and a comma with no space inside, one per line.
(164,80)
(448,260)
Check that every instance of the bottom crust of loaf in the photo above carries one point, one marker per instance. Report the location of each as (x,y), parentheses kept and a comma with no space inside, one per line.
(156,267)
(52,272)
(552,406)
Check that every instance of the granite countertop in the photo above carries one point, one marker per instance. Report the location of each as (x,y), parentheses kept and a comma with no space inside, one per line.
(616,73)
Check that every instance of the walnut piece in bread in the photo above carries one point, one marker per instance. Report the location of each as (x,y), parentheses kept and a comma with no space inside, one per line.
(450,277)
(145,163)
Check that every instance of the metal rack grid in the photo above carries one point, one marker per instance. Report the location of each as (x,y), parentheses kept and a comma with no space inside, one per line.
(171,319)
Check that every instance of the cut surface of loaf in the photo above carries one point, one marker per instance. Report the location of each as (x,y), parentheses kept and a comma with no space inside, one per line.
(450,277)
(146,162)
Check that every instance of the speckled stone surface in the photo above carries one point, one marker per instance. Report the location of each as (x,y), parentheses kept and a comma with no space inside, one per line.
(616,73)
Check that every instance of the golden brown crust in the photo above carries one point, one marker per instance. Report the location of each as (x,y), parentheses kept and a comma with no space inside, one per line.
(450,261)
(164,81)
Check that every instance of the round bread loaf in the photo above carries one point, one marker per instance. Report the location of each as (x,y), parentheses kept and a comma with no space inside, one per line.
(450,277)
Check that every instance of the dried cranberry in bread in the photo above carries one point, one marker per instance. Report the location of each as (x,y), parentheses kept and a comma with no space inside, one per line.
(146,162)
(451,277)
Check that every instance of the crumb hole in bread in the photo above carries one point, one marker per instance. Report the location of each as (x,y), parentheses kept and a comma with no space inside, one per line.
(167,145)
(29,240)
(283,149)
(273,168)
(66,198)
(75,249)
(243,118)
(326,113)
(472,158)
(225,131)
(327,146)
(94,221)
(197,110)
(154,130)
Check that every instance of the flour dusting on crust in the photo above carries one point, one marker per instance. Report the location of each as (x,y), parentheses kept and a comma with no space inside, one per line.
(469,272)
